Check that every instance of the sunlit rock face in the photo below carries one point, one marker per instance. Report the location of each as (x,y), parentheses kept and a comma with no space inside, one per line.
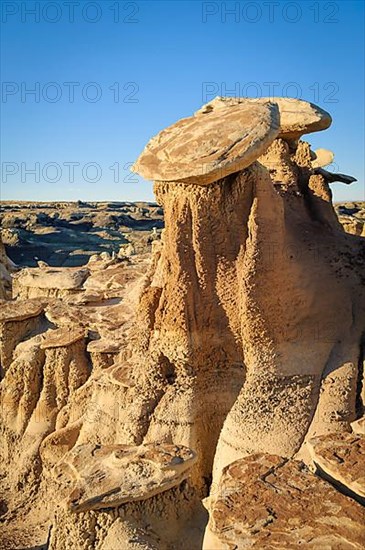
(266,501)
(239,343)
(5,269)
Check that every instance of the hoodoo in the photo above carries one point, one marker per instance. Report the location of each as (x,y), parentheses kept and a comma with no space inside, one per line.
(240,365)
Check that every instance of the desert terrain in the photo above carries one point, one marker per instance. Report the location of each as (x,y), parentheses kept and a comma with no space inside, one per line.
(189,374)
(67,234)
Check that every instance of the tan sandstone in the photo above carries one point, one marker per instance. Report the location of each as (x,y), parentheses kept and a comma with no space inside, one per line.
(48,282)
(265,502)
(358,426)
(342,458)
(6,266)
(108,476)
(322,157)
(241,335)
(18,320)
(297,117)
(195,150)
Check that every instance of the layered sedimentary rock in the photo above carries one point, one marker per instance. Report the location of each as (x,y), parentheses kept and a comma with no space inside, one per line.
(18,320)
(48,282)
(5,268)
(45,357)
(341,457)
(266,501)
(46,337)
(200,153)
(108,476)
(240,341)
(297,117)
(45,371)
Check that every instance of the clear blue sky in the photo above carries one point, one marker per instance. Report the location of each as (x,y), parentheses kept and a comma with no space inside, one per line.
(165,58)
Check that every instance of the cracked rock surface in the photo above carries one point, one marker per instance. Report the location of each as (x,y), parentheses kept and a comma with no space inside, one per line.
(265,501)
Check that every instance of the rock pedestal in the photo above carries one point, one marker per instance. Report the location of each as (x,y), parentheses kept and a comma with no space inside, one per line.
(245,348)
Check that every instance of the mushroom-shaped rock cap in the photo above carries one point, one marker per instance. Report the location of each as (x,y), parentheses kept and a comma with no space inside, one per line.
(110,475)
(297,117)
(202,150)
(66,278)
(103,345)
(62,337)
(322,157)
(19,310)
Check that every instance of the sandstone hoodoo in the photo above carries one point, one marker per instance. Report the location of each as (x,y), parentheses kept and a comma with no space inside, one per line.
(223,370)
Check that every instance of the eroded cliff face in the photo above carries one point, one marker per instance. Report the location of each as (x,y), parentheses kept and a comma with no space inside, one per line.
(245,347)
(49,347)
(5,278)
(259,301)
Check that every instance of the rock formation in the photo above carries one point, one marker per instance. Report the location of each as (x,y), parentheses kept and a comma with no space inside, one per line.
(264,501)
(322,157)
(5,268)
(48,282)
(108,476)
(17,322)
(215,368)
(201,153)
(352,218)
(342,459)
